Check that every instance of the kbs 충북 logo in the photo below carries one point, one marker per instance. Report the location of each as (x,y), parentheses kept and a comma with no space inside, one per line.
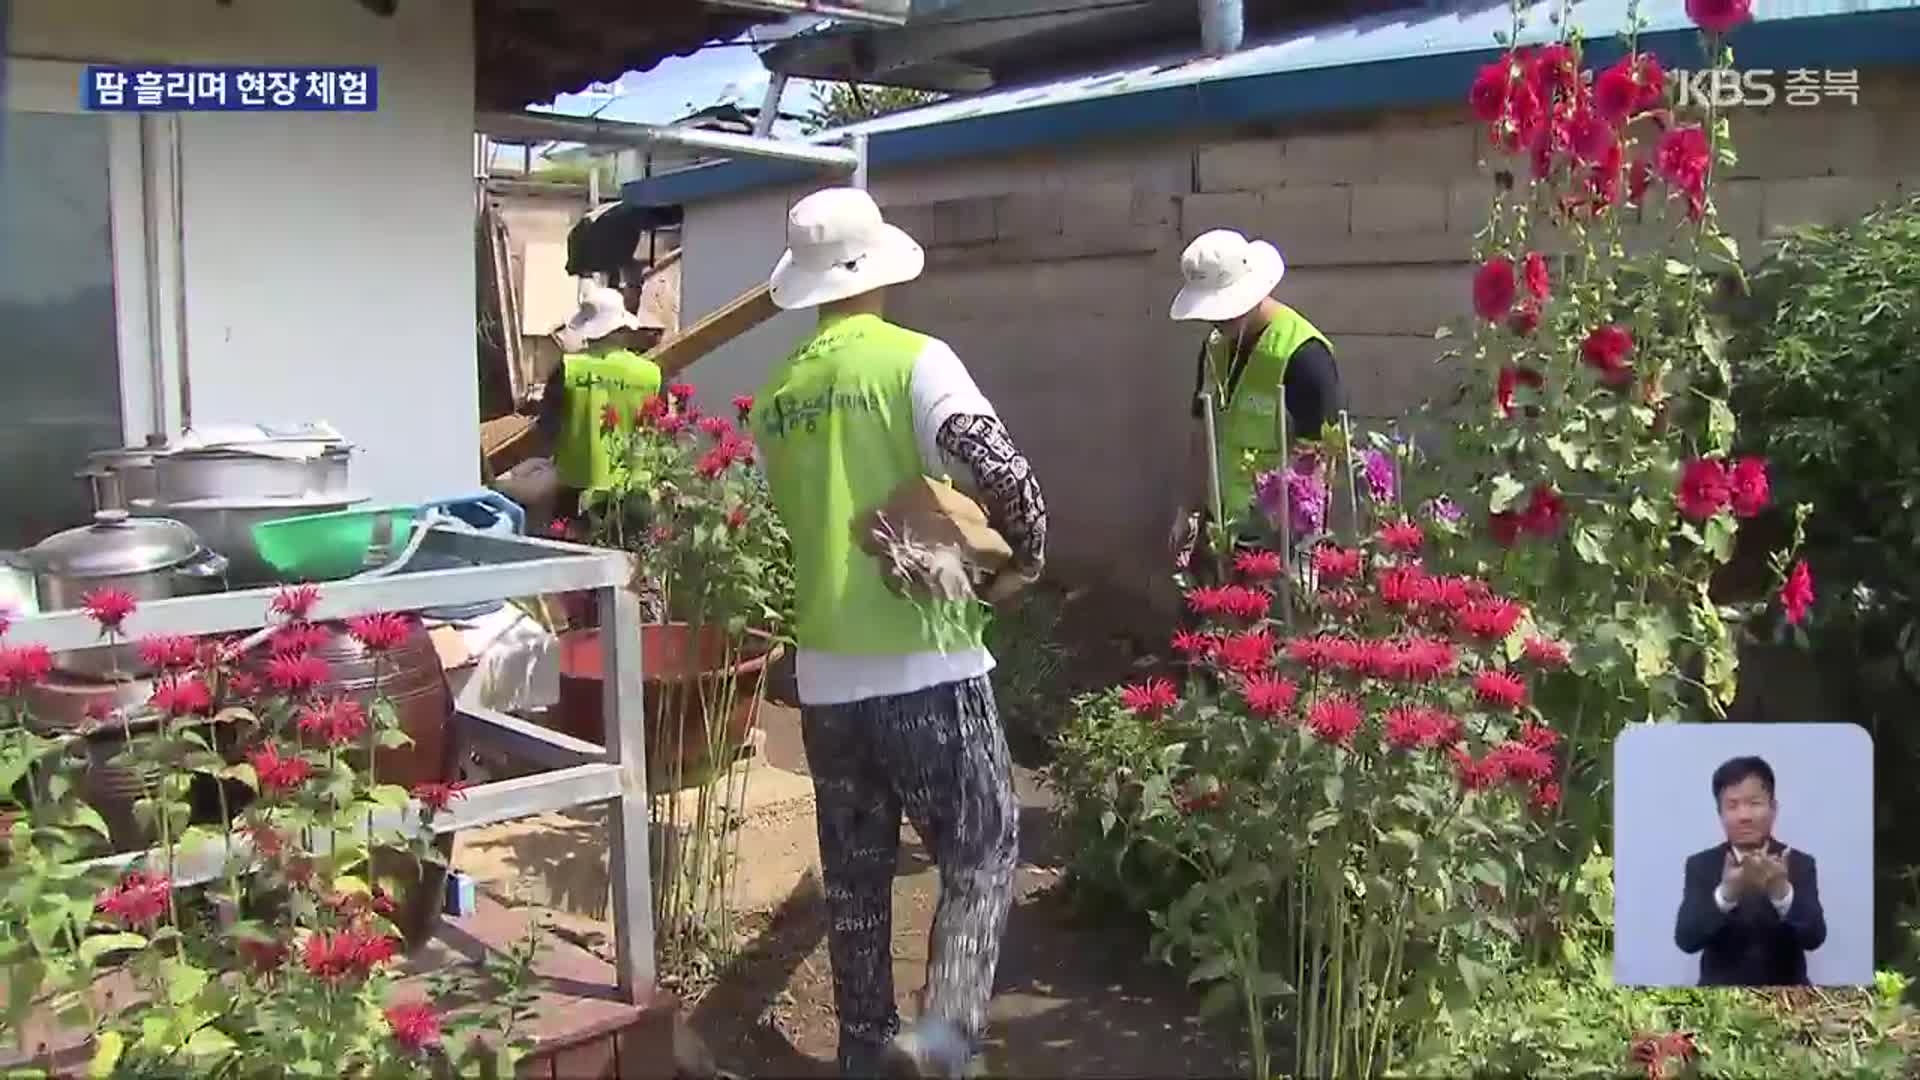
(1724,88)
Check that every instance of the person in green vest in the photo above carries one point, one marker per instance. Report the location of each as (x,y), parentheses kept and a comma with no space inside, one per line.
(1259,357)
(897,713)
(603,376)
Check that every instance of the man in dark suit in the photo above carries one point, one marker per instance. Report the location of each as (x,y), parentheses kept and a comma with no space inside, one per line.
(1751,906)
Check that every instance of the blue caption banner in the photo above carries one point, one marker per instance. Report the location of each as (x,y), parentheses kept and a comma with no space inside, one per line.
(173,88)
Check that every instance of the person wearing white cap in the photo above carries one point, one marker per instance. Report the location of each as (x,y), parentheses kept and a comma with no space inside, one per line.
(897,713)
(1260,356)
(600,376)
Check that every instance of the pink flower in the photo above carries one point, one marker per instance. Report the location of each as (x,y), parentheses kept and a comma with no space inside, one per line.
(295,601)
(415,1025)
(337,723)
(1270,695)
(1546,796)
(680,392)
(109,608)
(1490,620)
(1519,761)
(23,666)
(1704,490)
(1259,565)
(1797,594)
(1538,737)
(743,407)
(1244,603)
(1334,720)
(276,773)
(295,674)
(297,639)
(436,796)
(1150,698)
(1751,492)
(1546,652)
(1719,16)
(1337,564)
(352,953)
(1494,288)
(1193,645)
(1207,600)
(1245,653)
(182,697)
(1499,689)
(139,899)
(380,633)
(1402,536)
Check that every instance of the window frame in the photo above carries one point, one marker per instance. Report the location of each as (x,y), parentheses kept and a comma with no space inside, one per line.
(143,178)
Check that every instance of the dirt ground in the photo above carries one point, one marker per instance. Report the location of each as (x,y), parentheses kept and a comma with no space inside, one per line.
(1075,995)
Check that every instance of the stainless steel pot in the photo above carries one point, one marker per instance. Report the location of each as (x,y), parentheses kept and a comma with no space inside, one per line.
(237,472)
(151,558)
(226,525)
(117,477)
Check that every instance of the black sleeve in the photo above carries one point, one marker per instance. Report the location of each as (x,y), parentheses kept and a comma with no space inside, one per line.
(1312,389)
(552,407)
(1007,485)
(1700,920)
(1805,917)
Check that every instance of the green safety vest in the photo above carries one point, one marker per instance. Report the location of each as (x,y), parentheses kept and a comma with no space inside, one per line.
(623,379)
(834,423)
(1246,430)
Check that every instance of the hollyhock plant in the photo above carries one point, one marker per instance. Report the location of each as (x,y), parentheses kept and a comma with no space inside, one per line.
(1796,596)
(1606,350)
(1719,16)
(1494,289)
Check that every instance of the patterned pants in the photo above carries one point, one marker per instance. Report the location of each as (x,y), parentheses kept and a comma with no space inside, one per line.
(939,756)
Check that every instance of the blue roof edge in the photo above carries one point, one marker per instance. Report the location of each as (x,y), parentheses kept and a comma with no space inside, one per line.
(1847,40)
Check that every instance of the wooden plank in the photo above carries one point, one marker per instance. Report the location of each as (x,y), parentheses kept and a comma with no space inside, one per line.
(740,315)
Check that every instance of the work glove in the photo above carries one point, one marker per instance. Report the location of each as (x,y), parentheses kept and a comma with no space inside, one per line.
(1184,539)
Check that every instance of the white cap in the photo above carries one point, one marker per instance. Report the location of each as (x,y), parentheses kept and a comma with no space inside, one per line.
(602,311)
(1226,276)
(837,247)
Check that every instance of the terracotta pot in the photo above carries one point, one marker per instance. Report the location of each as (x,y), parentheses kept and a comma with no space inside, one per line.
(412,681)
(678,672)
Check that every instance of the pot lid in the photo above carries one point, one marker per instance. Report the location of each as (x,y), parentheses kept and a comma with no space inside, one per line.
(114,544)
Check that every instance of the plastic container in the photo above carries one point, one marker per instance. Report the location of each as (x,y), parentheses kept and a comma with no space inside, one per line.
(328,547)
(487,511)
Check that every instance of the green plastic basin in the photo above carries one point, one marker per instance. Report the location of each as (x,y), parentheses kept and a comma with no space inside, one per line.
(331,546)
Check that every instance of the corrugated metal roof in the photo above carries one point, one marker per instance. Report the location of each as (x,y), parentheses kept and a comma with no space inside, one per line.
(1398,59)
(1453,28)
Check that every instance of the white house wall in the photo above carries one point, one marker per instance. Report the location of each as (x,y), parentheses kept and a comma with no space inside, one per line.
(328,258)
(730,245)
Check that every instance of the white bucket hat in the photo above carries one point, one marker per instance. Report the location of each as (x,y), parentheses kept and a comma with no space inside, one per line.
(1226,276)
(602,311)
(837,247)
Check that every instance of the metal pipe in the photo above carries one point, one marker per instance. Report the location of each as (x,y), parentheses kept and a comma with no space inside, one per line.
(857,142)
(593,132)
(1222,24)
(770,105)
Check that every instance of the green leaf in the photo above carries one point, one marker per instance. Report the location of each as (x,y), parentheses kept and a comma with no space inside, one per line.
(106,1053)
(1720,426)
(1642,510)
(1588,546)
(1475,974)
(1219,1000)
(209,1042)
(181,980)
(93,948)
(1271,984)
(393,739)
(242,773)
(86,817)
(388,796)
(1217,966)
(1505,490)
(1718,536)
(1323,821)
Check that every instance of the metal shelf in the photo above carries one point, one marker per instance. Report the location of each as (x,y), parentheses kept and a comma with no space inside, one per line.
(583,774)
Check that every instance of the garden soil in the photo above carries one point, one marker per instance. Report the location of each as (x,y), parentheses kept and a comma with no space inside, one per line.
(1076,994)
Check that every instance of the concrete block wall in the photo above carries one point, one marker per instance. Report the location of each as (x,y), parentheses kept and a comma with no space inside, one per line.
(1051,274)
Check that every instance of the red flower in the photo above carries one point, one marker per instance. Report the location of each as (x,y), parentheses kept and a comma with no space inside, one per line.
(267,840)
(1150,698)
(242,684)
(1519,761)
(1244,603)
(1719,16)
(1494,289)
(1538,737)
(743,406)
(336,723)
(716,427)
(1797,594)
(1337,564)
(609,419)
(1316,654)
(297,639)
(1245,653)
(1424,659)
(22,666)
(415,1025)
(1546,796)
(1543,513)
(680,392)
(714,462)
(262,954)
(1344,601)
(672,425)
(1490,89)
(1605,350)
(1616,91)
(1334,720)
(1406,726)
(6,621)
(1207,600)
(1525,318)
(436,797)
(1639,178)
(295,674)
(295,601)
(1509,379)
(1705,489)
(1193,645)
(1474,775)
(1539,284)
(182,697)
(1499,689)
(737,517)
(1490,620)
(380,633)
(1682,158)
(1195,799)
(1444,730)
(1546,652)
(140,899)
(109,607)
(1402,586)
(1592,136)
(1270,695)
(1505,526)
(660,534)
(650,411)
(558,528)
(1554,70)
(1402,536)
(345,954)
(169,651)
(276,773)
(1259,565)
(1751,492)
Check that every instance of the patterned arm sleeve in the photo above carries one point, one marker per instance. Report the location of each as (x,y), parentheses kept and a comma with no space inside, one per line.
(1007,486)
